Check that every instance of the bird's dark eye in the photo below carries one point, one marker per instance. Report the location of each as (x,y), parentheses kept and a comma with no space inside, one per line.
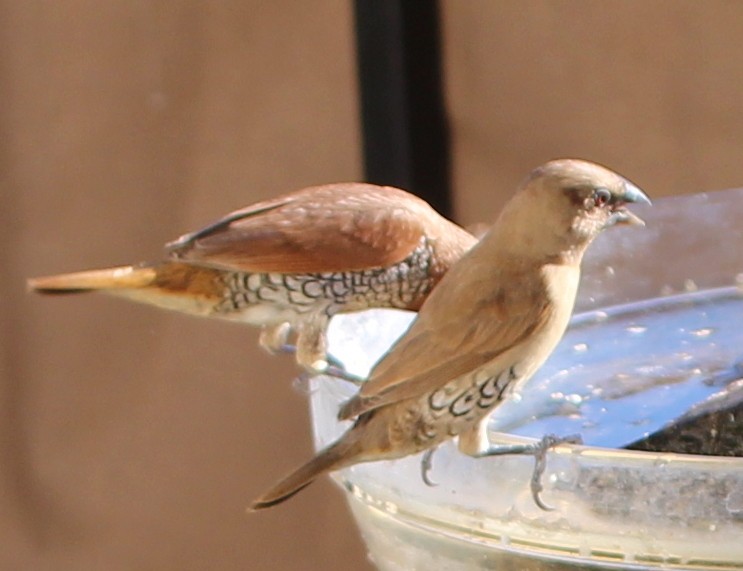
(601,196)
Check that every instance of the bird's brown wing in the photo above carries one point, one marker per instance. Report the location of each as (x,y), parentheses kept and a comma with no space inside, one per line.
(448,340)
(347,226)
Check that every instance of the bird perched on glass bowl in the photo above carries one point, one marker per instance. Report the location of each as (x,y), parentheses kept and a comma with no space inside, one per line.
(486,328)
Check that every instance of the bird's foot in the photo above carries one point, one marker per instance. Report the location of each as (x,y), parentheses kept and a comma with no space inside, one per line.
(302,381)
(328,365)
(539,451)
(334,368)
(286,348)
(540,464)
(427,466)
(339,372)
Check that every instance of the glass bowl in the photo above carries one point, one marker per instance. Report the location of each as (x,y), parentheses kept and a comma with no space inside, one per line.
(656,331)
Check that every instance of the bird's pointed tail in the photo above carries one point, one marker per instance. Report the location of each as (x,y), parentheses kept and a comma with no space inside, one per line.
(170,285)
(123,277)
(333,457)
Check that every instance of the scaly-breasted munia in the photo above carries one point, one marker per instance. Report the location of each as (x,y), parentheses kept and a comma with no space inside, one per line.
(291,263)
(488,326)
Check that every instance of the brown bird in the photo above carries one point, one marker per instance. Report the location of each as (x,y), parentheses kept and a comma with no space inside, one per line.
(291,263)
(487,327)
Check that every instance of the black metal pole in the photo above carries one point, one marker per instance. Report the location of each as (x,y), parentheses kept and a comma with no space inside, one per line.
(404,125)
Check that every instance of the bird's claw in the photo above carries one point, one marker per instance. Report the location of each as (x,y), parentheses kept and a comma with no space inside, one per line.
(539,450)
(274,339)
(334,368)
(287,348)
(328,366)
(426,466)
(339,372)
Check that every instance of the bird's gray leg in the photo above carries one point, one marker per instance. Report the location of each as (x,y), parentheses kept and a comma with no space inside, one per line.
(475,443)
(275,340)
(312,350)
(334,367)
(427,465)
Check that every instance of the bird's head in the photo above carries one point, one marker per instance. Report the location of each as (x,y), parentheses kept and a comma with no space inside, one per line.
(564,204)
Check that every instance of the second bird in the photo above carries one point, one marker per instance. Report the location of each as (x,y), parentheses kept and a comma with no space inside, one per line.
(291,263)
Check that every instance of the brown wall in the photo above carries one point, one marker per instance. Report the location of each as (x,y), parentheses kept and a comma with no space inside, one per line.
(651,88)
(133,439)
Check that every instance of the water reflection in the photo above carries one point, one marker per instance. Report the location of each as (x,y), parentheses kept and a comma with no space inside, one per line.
(630,380)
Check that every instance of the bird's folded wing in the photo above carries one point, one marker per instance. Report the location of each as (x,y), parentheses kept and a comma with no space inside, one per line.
(429,356)
(339,227)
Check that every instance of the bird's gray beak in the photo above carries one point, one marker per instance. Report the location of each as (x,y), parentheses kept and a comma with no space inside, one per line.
(623,216)
(634,194)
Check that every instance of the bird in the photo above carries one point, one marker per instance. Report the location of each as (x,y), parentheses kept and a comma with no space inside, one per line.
(289,264)
(486,328)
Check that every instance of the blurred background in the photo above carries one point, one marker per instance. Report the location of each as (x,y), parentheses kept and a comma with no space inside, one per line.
(134,439)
